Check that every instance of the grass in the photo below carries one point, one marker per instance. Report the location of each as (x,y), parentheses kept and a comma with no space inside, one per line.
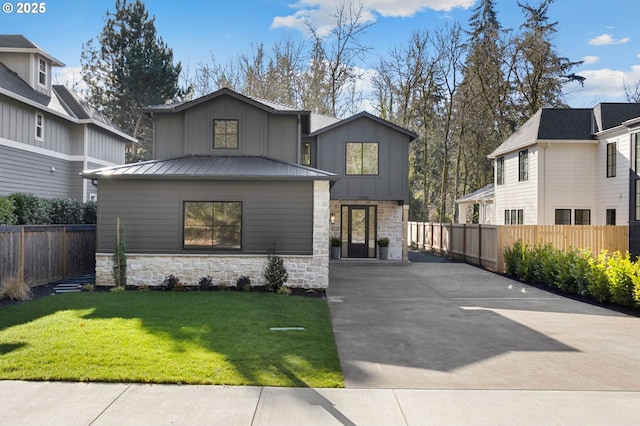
(221,338)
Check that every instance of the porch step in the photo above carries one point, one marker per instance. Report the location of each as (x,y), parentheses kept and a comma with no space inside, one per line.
(68,288)
(73,284)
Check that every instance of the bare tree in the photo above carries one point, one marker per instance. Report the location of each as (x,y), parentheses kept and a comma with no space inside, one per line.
(341,50)
(632,92)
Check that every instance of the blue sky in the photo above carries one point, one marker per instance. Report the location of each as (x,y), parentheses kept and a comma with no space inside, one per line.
(602,33)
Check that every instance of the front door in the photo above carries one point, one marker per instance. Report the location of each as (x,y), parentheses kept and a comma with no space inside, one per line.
(359,228)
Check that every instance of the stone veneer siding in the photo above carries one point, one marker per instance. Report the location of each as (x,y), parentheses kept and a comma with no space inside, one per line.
(311,271)
(390,222)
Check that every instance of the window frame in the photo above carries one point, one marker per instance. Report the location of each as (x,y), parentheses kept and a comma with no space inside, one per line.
(523,165)
(612,153)
(611,217)
(514,217)
(43,74)
(362,158)
(212,225)
(579,217)
(39,127)
(226,133)
(563,220)
(500,171)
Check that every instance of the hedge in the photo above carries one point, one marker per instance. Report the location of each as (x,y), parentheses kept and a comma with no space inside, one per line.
(27,209)
(607,277)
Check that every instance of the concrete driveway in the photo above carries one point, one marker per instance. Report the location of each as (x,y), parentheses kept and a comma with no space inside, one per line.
(455,326)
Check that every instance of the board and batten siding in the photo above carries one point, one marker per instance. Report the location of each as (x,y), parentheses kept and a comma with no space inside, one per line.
(567,179)
(104,146)
(515,194)
(152,211)
(259,133)
(613,192)
(391,183)
(19,63)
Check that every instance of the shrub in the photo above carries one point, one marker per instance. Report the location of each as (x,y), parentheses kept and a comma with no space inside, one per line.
(90,214)
(119,271)
(7,217)
(598,285)
(15,289)
(243,283)
(275,273)
(66,211)
(170,282)
(29,209)
(205,283)
(620,271)
(513,258)
(572,275)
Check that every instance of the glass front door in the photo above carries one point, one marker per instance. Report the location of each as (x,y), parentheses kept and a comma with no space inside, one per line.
(359,231)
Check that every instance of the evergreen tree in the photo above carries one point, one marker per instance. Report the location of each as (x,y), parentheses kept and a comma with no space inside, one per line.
(130,68)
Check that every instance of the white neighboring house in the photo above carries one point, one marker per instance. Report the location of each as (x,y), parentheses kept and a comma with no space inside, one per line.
(483,199)
(48,135)
(571,167)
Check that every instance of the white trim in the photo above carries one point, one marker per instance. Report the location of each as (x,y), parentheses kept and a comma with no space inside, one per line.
(40,126)
(59,155)
(41,61)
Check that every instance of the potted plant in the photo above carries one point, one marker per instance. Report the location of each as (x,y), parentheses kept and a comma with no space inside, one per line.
(383,245)
(336,244)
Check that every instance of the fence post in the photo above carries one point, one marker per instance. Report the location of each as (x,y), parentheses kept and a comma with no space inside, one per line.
(480,244)
(21,260)
(64,251)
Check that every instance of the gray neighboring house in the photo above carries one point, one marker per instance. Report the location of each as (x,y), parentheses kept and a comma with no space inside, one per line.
(48,135)
(233,177)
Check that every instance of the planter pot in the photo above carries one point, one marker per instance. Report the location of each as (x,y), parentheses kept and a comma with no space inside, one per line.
(335,252)
(384,253)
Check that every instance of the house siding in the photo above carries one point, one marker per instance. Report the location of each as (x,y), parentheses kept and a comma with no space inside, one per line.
(19,63)
(102,145)
(567,179)
(168,136)
(613,192)
(273,212)
(391,183)
(515,194)
(37,178)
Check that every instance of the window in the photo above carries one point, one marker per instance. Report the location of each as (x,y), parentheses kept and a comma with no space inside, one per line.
(563,216)
(611,216)
(637,200)
(500,171)
(582,217)
(225,134)
(42,72)
(523,165)
(514,217)
(362,158)
(611,160)
(212,225)
(39,127)
(637,151)
(306,153)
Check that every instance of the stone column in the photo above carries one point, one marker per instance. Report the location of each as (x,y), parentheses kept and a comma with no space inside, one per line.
(321,233)
(405,233)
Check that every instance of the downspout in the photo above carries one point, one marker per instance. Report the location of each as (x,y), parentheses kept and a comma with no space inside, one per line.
(85,163)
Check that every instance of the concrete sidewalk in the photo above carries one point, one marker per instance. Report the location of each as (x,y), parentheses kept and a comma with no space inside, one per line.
(49,403)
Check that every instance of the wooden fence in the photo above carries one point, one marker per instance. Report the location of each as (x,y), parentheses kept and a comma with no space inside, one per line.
(40,254)
(485,244)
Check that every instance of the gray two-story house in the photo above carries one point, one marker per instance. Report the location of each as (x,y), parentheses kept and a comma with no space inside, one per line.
(48,135)
(235,178)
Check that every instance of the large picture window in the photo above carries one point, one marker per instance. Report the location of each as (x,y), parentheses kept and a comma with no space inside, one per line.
(225,134)
(362,158)
(212,225)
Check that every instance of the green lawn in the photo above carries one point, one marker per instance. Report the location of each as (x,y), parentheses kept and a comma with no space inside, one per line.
(171,337)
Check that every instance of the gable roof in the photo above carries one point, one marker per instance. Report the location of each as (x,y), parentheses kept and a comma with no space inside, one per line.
(212,167)
(550,124)
(609,115)
(20,44)
(486,193)
(365,114)
(62,103)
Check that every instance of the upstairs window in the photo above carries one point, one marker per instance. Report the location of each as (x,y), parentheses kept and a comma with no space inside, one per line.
(39,127)
(42,72)
(636,145)
(306,153)
(523,165)
(212,225)
(225,134)
(362,158)
(500,171)
(611,160)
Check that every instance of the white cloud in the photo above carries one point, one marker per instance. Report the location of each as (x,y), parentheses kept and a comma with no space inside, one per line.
(603,85)
(606,39)
(69,77)
(588,60)
(321,13)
